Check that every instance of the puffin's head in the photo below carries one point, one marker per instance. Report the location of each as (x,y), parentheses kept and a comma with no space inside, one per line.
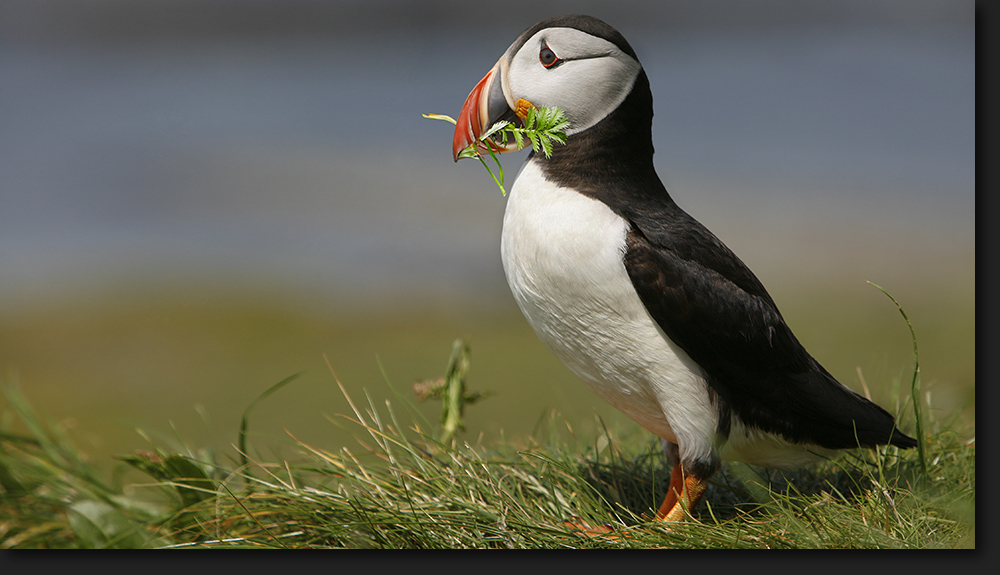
(576,63)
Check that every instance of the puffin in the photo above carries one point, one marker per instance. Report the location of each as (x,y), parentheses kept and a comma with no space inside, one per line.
(634,296)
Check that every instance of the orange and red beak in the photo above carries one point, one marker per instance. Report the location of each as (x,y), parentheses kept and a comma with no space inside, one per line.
(486,105)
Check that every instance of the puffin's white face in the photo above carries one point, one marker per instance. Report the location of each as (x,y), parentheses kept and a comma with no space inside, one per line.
(585,76)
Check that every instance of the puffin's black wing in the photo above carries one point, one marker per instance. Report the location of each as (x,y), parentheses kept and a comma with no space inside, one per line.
(712,306)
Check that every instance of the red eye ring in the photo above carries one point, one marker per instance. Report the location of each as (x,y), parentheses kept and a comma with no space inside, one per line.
(547,57)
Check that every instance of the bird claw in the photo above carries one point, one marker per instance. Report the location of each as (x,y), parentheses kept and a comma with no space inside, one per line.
(578,527)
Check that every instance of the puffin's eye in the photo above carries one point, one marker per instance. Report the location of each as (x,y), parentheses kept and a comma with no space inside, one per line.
(547,57)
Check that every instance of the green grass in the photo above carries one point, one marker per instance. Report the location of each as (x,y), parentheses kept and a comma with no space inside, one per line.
(399,486)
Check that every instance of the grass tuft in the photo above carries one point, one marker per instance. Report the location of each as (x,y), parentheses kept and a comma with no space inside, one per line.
(915,396)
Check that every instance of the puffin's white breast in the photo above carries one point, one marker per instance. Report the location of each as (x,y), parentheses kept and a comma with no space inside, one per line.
(562,253)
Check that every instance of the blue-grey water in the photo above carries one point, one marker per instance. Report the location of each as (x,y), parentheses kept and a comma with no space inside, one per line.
(291,154)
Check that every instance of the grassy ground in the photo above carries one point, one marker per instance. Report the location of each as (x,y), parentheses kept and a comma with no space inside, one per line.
(400,486)
(124,422)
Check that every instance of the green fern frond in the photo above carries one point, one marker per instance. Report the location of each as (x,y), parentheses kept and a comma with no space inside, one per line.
(542,127)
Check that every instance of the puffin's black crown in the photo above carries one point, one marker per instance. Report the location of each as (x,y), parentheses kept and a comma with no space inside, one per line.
(584,23)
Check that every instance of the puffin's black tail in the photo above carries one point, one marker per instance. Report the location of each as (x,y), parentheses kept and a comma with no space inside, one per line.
(829,414)
(901,440)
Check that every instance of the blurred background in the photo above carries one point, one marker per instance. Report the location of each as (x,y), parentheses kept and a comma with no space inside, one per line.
(199,198)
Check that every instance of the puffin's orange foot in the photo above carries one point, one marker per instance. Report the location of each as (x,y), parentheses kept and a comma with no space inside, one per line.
(682,496)
(684,493)
(606,530)
(577,526)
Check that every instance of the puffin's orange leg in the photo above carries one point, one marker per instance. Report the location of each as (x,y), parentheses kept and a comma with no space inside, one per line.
(685,492)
